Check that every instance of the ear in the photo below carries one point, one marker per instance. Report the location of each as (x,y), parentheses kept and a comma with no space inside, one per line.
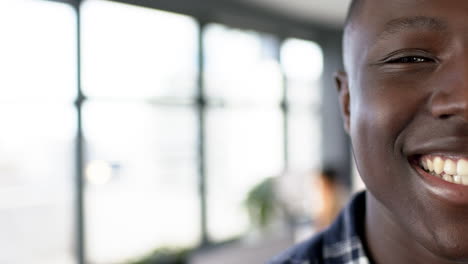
(342,85)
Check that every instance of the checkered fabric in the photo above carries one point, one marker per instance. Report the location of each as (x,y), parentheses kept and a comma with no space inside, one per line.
(339,244)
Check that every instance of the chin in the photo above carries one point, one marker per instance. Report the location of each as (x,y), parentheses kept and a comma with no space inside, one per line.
(453,251)
(447,243)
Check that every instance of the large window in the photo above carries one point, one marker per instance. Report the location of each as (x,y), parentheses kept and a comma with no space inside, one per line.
(140,128)
(302,63)
(173,134)
(244,122)
(38,124)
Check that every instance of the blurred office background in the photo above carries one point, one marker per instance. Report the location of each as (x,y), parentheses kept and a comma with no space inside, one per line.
(134,131)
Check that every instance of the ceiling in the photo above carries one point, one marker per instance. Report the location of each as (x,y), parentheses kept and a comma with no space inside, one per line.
(327,12)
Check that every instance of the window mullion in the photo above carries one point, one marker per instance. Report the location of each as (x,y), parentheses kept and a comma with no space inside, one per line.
(79,154)
(201,111)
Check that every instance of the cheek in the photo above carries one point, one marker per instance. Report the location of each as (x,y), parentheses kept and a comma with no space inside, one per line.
(379,117)
(372,137)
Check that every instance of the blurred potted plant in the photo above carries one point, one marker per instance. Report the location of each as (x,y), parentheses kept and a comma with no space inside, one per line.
(164,256)
(261,204)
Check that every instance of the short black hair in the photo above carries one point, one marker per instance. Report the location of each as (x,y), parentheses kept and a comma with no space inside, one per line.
(353,10)
(330,174)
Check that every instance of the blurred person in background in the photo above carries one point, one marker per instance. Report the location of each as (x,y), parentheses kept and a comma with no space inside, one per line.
(310,200)
(331,196)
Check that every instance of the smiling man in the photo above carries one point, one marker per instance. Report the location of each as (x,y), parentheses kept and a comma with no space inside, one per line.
(404,100)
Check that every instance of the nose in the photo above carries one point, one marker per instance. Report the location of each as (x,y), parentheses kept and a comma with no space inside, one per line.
(450,99)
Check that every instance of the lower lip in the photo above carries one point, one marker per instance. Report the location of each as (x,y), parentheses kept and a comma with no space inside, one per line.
(453,193)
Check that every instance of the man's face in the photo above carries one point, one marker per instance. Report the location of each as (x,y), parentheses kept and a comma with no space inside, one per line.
(407,77)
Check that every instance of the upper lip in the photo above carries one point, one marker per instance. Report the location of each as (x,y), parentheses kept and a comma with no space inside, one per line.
(444,146)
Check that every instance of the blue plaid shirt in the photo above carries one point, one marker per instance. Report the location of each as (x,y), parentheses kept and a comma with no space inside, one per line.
(339,244)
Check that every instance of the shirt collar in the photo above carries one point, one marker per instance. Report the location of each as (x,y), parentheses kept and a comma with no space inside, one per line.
(342,242)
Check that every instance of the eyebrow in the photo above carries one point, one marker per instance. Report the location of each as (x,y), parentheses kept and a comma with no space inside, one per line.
(413,23)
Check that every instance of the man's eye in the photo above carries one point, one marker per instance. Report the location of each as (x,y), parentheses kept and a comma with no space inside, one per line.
(410,59)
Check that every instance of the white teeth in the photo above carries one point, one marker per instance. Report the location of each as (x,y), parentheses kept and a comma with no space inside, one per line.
(438,165)
(450,167)
(462,168)
(424,164)
(448,178)
(430,166)
(448,170)
(464,180)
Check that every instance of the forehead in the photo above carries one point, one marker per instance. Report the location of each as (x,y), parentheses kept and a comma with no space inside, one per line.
(384,10)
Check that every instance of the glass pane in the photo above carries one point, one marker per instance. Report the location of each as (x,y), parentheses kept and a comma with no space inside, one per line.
(304,93)
(38,64)
(304,139)
(36,177)
(302,63)
(244,147)
(137,52)
(142,179)
(38,50)
(241,66)
(302,59)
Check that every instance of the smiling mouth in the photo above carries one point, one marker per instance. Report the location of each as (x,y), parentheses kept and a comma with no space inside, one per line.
(450,169)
